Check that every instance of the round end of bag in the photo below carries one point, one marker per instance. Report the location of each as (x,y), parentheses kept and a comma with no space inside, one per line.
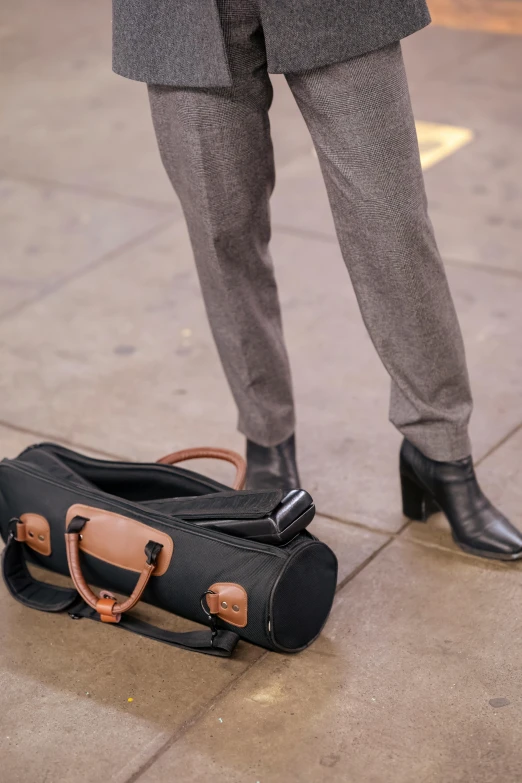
(303,597)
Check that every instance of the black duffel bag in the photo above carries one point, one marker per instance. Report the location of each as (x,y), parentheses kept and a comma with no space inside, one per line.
(239,562)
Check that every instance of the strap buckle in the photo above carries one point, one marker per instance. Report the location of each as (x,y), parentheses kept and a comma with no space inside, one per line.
(12,527)
(152,551)
(210,615)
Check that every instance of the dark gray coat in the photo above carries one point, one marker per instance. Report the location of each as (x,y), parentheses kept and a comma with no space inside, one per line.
(180,42)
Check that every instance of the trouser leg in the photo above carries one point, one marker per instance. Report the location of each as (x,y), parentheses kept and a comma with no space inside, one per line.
(359,115)
(216,147)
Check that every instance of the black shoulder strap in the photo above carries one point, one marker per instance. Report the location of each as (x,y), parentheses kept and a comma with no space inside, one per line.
(222,645)
(48,598)
(26,589)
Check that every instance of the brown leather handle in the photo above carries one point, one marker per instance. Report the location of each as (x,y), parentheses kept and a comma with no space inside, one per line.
(209,453)
(105,604)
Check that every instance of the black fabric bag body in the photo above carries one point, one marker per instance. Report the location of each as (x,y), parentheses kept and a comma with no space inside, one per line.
(116,524)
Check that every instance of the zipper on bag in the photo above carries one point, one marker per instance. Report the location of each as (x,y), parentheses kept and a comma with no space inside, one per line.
(167,521)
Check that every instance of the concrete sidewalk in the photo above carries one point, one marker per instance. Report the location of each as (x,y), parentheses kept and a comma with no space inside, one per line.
(104,345)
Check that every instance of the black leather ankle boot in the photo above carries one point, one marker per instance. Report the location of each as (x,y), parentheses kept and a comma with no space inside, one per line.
(272,467)
(452,487)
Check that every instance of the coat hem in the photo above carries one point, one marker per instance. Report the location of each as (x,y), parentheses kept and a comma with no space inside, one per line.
(274,65)
(156,81)
(386,40)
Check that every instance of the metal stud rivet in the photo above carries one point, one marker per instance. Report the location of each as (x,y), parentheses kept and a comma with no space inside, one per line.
(41,537)
(235,608)
(80,537)
(224,604)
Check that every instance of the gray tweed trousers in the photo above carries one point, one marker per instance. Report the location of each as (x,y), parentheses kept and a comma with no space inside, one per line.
(216,147)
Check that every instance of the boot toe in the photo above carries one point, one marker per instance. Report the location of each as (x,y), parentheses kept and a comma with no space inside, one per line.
(508,539)
(498,539)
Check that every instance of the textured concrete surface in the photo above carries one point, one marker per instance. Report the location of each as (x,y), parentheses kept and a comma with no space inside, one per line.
(68,233)
(66,687)
(104,345)
(398,688)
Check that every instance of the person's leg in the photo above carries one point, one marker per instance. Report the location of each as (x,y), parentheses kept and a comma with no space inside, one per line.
(216,148)
(360,118)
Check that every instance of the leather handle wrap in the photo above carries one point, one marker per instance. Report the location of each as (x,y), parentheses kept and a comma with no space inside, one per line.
(210,453)
(106,605)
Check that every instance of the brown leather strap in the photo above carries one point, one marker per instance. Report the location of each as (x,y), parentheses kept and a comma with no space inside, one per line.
(209,453)
(106,605)
(229,601)
(34,530)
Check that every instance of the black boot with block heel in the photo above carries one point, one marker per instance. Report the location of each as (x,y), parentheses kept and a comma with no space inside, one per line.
(452,487)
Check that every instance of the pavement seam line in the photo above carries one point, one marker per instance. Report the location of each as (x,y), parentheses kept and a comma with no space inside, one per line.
(200,715)
(89,190)
(232,685)
(500,271)
(500,443)
(60,439)
(196,718)
(354,523)
(319,236)
(483,562)
(357,570)
(89,267)
(305,233)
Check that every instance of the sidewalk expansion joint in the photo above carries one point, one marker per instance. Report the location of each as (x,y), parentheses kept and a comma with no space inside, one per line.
(499,444)
(501,271)
(482,562)
(91,190)
(363,565)
(234,684)
(199,715)
(106,258)
(305,233)
(354,523)
(320,236)
(47,437)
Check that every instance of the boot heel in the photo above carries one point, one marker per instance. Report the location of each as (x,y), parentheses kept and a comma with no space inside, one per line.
(414,505)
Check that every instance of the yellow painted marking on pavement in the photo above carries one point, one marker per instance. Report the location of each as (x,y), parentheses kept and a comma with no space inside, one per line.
(437,142)
(491,16)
